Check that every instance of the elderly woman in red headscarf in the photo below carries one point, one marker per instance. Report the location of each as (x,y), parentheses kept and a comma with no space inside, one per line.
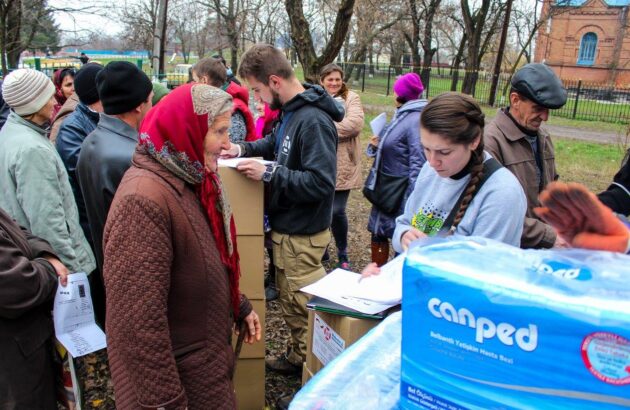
(171,262)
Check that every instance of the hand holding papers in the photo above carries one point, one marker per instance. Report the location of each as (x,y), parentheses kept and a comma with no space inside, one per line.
(73,316)
(233,162)
(370,295)
(378,123)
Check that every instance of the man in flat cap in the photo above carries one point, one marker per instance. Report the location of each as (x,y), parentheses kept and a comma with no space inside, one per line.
(515,138)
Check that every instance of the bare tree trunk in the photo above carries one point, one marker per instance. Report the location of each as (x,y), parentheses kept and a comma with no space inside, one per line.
(473,24)
(157,39)
(303,41)
(163,39)
(456,62)
(499,60)
(427,38)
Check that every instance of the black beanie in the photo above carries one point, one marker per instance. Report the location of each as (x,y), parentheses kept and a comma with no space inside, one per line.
(122,86)
(85,83)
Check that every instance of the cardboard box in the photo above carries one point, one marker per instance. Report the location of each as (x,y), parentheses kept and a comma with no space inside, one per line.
(257,350)
(246,199)
(306,374)
(251,251)
(337,333)
(249,383)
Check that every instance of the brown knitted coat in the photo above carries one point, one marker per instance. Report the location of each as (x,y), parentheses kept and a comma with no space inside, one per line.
(168,299)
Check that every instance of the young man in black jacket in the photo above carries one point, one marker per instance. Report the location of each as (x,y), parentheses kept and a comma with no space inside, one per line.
(304,144)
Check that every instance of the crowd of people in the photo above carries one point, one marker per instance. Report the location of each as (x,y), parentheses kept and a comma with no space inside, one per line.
(107,173)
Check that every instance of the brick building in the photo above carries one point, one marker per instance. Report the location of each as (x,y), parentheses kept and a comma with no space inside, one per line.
(587,40)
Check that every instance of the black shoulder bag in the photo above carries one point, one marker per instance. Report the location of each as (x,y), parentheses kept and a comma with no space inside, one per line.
(388,192)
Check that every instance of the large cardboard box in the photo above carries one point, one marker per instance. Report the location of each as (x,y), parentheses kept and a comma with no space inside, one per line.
(329,334)
(246,199)
(257,350)
(249,383)
(251,251)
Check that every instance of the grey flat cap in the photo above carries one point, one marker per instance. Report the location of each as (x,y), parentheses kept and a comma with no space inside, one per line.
(540,84)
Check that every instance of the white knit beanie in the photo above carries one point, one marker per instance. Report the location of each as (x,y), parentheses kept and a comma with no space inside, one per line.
(26,91)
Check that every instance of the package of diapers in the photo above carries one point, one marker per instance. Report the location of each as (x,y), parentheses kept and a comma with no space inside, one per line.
(489,326)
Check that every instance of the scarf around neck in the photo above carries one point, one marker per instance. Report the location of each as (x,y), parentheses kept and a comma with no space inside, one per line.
(173,133)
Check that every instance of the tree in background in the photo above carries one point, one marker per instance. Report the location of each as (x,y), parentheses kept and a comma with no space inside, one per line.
(480,26)
(25,24)
(422,13)
(303,39)
(372,19)
(139,19)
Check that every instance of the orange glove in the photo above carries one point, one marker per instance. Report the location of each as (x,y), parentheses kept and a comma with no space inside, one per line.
(581,219)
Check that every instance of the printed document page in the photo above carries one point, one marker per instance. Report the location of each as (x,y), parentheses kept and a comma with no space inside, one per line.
(73,315)
(383,288)
(334,287)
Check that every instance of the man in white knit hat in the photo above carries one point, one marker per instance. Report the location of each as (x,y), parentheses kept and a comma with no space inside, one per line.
(34,183)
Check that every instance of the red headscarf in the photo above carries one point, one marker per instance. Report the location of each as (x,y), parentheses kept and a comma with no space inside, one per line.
(264,123)
(173,133)
(58,77)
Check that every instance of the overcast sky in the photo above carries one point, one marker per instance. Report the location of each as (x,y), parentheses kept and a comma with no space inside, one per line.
(84,21)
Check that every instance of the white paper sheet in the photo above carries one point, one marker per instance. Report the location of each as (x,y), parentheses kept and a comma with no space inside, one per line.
(233,162)
(335,286)
(327,344)
(378,123)
(73,315)
(384,288)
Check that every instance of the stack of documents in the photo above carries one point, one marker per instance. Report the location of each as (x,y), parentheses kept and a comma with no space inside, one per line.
(369,295)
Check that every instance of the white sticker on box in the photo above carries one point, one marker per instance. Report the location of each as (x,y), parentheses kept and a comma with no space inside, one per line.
(327,344)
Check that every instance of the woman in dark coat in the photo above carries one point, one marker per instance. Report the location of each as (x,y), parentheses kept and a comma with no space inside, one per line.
(28,280)
(171,262)
(397,151)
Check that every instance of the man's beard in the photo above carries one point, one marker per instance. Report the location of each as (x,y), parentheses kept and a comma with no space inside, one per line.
(275,104)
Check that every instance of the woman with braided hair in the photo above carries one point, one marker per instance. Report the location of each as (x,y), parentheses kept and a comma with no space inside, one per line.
(461,189)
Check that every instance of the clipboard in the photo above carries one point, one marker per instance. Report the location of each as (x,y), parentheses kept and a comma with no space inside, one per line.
(324,305)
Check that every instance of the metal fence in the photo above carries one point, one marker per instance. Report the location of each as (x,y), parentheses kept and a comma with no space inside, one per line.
(586,101)
(172,78)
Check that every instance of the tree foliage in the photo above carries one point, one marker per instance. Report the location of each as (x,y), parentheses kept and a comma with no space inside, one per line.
(25,24)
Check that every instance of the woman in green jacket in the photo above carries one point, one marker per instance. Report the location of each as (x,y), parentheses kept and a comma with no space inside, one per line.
(34,183)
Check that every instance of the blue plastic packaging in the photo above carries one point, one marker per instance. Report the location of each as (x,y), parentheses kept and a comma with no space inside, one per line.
(366,376)
(488,326)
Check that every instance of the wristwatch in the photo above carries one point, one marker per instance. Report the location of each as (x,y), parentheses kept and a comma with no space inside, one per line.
(266,176)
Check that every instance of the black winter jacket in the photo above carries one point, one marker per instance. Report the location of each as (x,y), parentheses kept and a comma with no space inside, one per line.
(105,157)
(74,128)
(303,184)
(617,196)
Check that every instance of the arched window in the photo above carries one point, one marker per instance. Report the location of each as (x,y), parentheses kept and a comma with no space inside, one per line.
(588,46)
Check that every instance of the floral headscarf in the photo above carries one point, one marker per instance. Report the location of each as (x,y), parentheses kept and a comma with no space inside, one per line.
(173,133)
